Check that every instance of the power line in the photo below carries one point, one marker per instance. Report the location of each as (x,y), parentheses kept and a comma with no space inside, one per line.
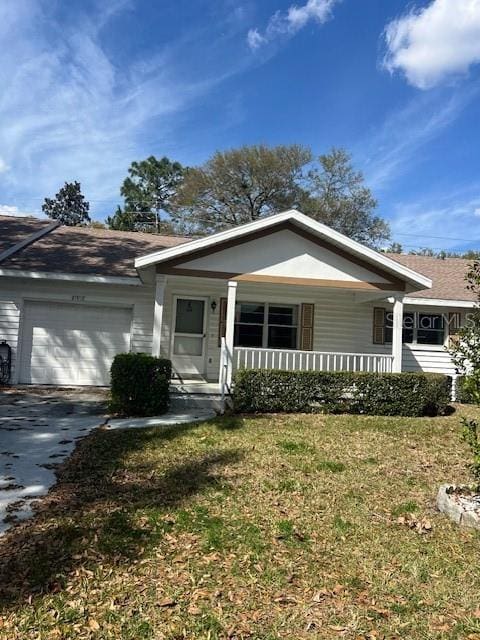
(231,224)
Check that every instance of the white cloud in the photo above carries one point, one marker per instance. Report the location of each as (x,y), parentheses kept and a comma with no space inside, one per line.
(70,112)
(288,23)
(432,44)
(477,212)
(255,39)
(438,222)
(395,147)
(3,165)
(11,210)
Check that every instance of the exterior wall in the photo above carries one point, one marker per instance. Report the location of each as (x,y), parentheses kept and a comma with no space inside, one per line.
(430,358)
(202,287)
(284,253)
(14,291)
(342,324)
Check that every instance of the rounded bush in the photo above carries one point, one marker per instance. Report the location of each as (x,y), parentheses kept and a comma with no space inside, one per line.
(140,384)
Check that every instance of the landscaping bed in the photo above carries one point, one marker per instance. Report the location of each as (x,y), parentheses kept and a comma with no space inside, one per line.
(299,526)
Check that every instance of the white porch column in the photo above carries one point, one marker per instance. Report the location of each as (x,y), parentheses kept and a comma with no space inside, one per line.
(397,335)
(160,283)
(230,327)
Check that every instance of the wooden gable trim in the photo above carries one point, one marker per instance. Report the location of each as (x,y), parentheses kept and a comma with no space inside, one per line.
(171,266)
(344,254)
(228,244)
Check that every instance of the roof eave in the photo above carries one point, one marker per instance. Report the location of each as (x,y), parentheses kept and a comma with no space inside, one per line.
(415,279)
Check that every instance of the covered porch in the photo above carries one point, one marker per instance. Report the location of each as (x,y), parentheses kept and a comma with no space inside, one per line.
(210,328)
(284,292)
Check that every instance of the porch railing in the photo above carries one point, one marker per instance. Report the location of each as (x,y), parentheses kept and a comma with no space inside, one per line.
(292,360)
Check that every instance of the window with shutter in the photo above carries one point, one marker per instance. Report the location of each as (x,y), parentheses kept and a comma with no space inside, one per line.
(378,325)
(306,332)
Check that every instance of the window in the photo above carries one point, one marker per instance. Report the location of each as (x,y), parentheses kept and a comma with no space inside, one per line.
(408,327)
(249,322)
(430,329)
(418,328)
(274,326)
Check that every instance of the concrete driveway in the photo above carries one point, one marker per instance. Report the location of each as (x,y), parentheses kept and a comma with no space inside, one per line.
(38,430)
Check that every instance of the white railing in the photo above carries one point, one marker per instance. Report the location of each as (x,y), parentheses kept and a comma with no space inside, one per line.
(290,360)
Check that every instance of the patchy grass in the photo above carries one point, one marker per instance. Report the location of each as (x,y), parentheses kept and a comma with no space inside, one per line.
(257,528)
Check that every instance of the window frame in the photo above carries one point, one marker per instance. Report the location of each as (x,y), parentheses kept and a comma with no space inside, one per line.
(266,324)
(416,317)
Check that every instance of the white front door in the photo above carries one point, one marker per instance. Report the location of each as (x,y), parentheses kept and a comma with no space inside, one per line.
(188,344)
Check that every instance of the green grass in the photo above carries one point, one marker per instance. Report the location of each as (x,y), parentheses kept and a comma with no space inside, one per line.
(331,465)
(261,528)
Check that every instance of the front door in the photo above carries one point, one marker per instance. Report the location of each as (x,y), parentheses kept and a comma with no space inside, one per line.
(188,344)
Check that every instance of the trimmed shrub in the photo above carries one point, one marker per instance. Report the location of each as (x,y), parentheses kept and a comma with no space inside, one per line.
(389,394)
(140,384)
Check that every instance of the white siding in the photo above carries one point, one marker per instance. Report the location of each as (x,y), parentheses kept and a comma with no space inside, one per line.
(342,324)
(432,360)
(284,253)
(14,291)
(9,321)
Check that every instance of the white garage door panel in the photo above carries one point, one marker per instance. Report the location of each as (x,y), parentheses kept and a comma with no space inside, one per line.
(72,344)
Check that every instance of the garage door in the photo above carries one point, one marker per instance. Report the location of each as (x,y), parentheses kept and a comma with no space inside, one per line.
(71,344)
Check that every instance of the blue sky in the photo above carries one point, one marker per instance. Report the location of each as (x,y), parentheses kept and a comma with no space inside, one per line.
(90,85)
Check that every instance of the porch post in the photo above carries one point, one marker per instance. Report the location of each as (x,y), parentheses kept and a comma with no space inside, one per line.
(230,328)
(160,282)
(397,335)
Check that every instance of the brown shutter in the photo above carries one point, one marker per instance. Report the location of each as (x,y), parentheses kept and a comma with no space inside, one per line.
(306,330)
(454,323)
(222,319)
(378,325)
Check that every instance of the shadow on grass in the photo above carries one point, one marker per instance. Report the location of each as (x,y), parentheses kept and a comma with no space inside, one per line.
(91,516)
(230,423)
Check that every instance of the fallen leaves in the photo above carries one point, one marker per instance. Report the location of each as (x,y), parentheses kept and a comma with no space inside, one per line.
(420,525)
(126,553)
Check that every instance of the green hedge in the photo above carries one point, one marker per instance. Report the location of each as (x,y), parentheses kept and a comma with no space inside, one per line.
(389,394)
(140,384)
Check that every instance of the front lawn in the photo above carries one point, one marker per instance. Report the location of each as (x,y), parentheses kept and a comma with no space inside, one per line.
(261,528)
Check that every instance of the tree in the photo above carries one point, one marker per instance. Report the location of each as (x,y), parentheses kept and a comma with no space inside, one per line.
(239,186)
(336,195)
(122,220)
(147,193)
(395,247)
(425,251)
(69,206)
(465,348)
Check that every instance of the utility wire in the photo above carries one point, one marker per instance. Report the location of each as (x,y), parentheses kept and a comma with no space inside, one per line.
(231,225)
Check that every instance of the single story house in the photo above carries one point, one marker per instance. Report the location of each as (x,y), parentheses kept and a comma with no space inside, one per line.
(283,292)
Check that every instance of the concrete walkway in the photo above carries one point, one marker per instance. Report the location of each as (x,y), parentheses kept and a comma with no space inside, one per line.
(168,419)
(39,429)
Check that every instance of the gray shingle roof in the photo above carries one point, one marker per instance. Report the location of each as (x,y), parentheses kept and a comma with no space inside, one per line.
(104,252)
(15,229)
(84,250)
(447,275)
